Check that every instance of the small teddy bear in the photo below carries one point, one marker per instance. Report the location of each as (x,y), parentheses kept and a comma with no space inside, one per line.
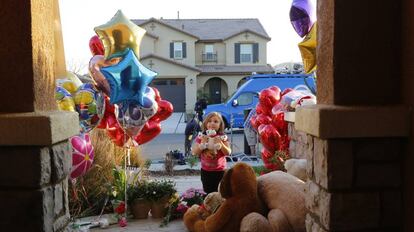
(210,145)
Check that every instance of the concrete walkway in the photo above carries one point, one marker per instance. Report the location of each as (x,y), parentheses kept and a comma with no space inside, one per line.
(175,124)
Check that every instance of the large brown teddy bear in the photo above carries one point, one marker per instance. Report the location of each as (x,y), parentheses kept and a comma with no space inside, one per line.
(284,195)
(239,189)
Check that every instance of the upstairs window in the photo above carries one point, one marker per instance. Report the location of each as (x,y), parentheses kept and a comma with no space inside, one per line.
(178,50)
(246,53)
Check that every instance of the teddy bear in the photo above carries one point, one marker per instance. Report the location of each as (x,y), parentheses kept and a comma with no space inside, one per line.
(211,145)
(210,204)
(296,167)
(284,195)
(239,189)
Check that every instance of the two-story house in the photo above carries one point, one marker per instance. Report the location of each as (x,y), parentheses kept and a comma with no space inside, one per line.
(210,56)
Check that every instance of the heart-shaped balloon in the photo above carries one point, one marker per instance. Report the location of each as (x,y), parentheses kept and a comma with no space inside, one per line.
(165,109)
(82,155)
(151,129)
(269,97)
(262,109)
(269,137)
(96,46)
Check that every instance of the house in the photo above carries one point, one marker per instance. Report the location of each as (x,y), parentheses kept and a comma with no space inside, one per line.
(202,57)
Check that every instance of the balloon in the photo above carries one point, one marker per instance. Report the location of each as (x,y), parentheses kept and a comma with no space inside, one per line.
(118,35)
(68,85)
(308,50)
(82,155)
(95,64)
(261,109)
(64,99)
(302,16)
(157,94)
(165,109)
(128,80)
(130,117)
(96,46)
(277,108)
(278,121)
(285,91)
(151,129)
(263,119)
(90,105)
(75,79)
(269,97)
(269,137)
(266,154)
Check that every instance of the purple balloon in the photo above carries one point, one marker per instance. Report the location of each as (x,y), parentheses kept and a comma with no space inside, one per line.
(302,16)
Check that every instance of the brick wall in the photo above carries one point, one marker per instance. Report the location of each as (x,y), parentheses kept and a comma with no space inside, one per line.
(34,187)
(353,184)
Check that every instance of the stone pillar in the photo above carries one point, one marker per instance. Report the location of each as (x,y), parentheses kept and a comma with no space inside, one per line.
(34,150)
(358,130)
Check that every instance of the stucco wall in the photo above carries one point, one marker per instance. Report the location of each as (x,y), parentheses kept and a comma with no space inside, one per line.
(242,39)
(166,36)
(219,48)
(147,45)
(168,70)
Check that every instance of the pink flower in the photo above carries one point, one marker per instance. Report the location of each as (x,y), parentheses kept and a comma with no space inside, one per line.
(122,222)
(181,208)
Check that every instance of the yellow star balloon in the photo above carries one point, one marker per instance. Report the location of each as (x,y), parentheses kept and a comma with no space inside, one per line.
(308,50)
(118,35)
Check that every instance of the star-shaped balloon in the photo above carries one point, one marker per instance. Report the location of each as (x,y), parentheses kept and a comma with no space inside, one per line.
(118,35)
(128,79)
(308,50)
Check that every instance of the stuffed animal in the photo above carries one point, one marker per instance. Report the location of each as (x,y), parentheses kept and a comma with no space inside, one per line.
(297,167)
(211,145)
(239,189)
(211,203)
(284,195)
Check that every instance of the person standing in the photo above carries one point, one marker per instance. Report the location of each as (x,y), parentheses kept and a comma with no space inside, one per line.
(212,165)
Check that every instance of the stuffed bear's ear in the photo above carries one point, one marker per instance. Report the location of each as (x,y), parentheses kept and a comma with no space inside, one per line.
(225,184)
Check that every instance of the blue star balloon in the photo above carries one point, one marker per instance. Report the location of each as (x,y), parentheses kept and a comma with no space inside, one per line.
(128,80)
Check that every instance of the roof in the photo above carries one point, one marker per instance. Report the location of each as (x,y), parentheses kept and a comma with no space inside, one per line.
(235,69)
(211,29)
(170,61)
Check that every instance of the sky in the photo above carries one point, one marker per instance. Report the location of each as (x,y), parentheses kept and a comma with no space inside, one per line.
(79,17)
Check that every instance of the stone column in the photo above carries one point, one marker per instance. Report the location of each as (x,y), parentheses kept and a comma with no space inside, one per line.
(34,150)
(358,130)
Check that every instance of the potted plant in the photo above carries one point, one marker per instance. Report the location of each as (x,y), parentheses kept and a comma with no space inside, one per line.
(160,193)
(138,199)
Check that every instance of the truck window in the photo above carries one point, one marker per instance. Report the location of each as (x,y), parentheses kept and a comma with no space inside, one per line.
(245,99)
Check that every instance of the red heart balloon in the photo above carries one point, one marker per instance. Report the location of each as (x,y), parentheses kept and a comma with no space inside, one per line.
(165,109)
(96,46)
(287,90)
(262,109)
(269,137)
(151,129)
(263,119)
(278,121)
(266,154)
(269,97)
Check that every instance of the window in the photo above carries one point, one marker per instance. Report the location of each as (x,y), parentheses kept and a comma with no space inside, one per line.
(178,50)
(209,50)
(245,99)
(246,53)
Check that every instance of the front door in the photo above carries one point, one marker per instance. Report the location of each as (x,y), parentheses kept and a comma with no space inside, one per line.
(215,90)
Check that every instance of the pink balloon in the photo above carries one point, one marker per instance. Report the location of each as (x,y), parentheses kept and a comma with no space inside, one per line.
(82,155)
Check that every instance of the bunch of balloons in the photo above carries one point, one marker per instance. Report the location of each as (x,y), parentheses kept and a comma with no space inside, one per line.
(72,95)
(303,19)
(133,110)
(270,124)
(119,100)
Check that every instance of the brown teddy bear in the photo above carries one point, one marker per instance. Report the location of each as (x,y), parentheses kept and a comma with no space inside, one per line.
(284,195)
(239,189)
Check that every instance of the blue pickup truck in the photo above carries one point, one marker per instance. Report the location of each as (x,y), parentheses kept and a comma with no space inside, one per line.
(247,96)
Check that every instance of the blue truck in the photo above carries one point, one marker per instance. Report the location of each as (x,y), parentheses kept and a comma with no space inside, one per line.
(247,96)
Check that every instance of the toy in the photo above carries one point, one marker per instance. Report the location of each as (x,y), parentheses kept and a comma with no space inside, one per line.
(239,189)
(211,145)
(284,195)
(296,167)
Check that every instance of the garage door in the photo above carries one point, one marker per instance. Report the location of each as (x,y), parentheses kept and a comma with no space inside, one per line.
(172,90)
